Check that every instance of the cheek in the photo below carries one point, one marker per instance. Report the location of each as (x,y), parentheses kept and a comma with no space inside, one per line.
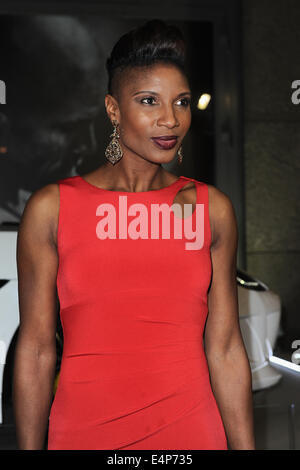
(186,119)
(136,123)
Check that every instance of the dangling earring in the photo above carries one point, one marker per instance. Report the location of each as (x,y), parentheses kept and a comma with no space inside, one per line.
(113,151)
(180,155)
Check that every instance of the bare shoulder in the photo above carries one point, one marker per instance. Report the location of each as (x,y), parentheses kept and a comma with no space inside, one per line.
(221,214)
(40,215)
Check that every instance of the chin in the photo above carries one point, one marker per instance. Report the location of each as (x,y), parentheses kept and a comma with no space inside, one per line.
(162,159)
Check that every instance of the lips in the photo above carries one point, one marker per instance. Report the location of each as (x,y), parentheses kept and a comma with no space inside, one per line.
(165,142)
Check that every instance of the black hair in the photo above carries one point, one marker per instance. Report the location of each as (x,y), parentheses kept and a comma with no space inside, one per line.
(153,42)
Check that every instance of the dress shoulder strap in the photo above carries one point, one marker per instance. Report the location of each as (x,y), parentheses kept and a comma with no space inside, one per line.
(202,198)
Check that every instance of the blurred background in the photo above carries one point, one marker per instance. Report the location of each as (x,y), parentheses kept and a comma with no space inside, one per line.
(244,139)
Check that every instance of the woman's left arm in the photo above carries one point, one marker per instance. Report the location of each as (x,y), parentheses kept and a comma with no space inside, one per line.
(227,359)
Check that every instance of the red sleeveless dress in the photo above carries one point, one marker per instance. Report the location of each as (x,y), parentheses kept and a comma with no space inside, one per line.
(134,374)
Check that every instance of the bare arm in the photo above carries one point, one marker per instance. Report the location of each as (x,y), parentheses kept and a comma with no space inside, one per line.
(227,358)
(35,354)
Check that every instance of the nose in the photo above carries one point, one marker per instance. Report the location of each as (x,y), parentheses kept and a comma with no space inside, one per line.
(168,117)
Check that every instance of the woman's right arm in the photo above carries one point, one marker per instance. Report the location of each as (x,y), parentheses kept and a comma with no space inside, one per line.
(35,353)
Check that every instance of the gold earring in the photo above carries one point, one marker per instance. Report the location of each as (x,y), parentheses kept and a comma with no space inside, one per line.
(113,151)
(180,155)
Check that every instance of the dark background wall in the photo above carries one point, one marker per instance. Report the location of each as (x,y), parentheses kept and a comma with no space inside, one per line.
(271,36)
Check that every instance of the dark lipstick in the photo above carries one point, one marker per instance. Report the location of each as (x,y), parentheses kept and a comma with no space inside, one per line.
(166,142)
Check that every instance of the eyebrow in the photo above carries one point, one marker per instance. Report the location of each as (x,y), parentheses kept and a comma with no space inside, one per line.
(155,93)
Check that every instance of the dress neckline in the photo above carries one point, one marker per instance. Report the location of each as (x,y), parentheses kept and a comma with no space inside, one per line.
(180,178)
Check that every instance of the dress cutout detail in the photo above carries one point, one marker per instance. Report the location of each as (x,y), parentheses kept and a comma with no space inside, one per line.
(134,374)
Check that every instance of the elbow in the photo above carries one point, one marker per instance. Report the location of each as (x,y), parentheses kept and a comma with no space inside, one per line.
(47,357)
(34,353)
(233,355)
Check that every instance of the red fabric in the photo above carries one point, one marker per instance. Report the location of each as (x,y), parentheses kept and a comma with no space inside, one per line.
(134,373)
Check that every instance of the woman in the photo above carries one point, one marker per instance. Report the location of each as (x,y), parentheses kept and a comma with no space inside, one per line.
(135,306)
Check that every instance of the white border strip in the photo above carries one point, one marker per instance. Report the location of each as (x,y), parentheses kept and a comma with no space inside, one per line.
(284,363)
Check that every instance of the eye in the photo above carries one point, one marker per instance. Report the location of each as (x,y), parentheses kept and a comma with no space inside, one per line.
(147,98)
(186,101)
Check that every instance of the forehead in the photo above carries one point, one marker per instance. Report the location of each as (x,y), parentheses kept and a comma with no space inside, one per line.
(153,78)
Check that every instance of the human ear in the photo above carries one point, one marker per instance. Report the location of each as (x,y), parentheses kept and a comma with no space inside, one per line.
(112,108)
